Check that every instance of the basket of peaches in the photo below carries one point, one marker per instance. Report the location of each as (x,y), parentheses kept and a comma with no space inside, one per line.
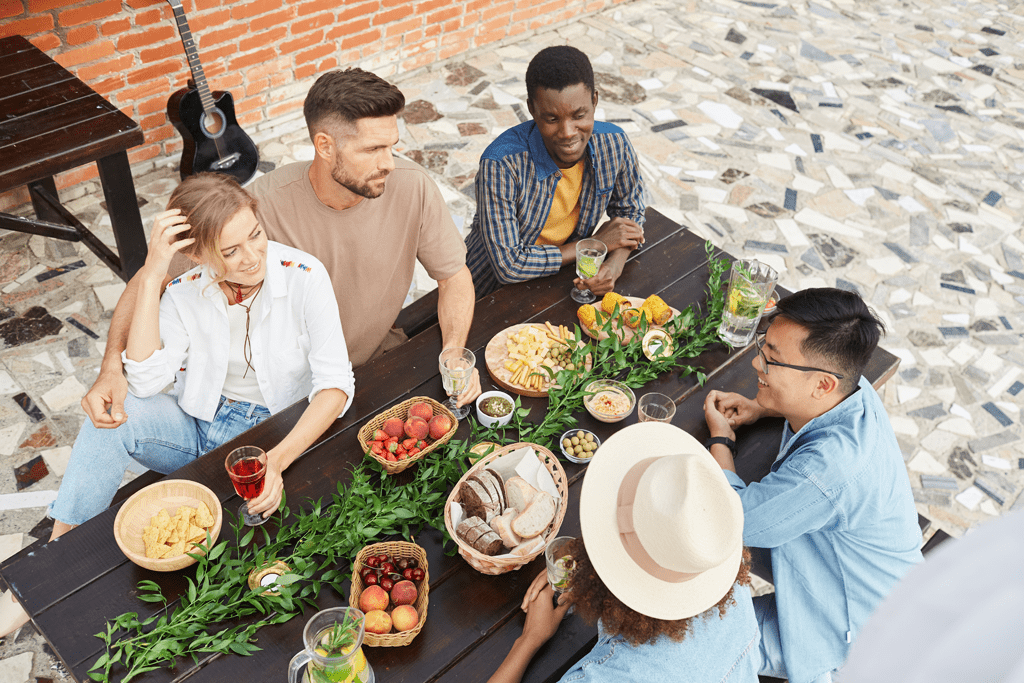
(390,586)
(406,432)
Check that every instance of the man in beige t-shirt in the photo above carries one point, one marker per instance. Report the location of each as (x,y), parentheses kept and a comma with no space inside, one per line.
(364,214)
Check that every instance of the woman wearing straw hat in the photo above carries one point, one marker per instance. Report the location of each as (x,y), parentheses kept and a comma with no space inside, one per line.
(661,568)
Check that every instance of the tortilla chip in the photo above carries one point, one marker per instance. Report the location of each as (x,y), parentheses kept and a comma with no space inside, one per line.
(163,535)
(173,537)
(186,513)
(196,533)
(176,549)
(161,520)
(204,517)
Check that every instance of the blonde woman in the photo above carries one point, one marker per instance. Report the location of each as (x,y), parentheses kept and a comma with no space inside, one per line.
(250,330)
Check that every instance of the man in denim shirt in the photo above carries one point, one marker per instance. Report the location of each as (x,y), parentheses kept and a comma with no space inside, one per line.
(544,184)
(836,508)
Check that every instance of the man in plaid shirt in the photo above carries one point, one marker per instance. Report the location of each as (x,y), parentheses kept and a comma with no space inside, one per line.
(545,184)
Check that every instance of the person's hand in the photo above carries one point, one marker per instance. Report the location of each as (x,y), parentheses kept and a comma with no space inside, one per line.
(620,232)
(273,486)
(163,243)
(106,394)
(735,410)
(472,390)
(542,619)
(604,281)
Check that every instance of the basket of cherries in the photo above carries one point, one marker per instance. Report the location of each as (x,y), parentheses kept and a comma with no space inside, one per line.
(390,584)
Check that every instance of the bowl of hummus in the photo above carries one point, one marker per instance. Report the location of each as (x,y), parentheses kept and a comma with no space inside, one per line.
(609,401)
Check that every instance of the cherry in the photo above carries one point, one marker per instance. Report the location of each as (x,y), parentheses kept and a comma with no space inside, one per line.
(370,579)
(387,584)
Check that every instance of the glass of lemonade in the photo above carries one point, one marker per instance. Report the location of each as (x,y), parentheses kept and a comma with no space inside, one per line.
(590,255)
(456,367)
(559,563)
(333,640)
(751,284)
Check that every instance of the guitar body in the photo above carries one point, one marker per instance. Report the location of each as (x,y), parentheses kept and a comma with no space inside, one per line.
(213,141)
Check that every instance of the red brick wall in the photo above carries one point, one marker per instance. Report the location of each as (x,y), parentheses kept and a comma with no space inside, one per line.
(266,52)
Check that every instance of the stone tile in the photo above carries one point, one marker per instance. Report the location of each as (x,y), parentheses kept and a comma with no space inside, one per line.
(67,393)
(30,472)
(29,327)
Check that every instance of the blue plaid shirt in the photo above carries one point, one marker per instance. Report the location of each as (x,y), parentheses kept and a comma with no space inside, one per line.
(514,190)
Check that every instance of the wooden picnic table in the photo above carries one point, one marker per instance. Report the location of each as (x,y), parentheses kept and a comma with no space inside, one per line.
(51,122)
(72,586)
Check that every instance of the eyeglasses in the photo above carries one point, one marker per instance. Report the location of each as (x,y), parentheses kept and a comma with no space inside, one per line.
(759,339)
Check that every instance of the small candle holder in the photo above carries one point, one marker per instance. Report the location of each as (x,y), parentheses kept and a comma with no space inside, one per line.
(657,344)
(266,575)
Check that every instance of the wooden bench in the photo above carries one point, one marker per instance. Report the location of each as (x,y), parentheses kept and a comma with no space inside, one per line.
(53,122)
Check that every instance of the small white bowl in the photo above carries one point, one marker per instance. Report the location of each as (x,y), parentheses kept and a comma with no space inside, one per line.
(575,458)
(485,419)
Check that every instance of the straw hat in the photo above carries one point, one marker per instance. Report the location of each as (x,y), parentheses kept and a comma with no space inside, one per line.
(660,522)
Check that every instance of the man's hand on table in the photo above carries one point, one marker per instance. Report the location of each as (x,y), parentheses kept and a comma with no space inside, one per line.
(619,233)
(472,390)
(107,393)
(273,486)
(736,409)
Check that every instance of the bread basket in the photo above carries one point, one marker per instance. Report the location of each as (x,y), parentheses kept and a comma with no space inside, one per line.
(395,549)
(486,564)
(402,411)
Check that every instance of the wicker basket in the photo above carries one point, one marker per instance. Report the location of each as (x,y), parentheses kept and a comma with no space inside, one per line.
(402,411)
(486,564)
(395,549)
(169,494)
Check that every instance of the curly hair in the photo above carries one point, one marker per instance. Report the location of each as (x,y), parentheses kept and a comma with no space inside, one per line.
(593,601)
(557,67)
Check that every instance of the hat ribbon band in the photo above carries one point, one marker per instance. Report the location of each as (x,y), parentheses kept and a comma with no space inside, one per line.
(627,534)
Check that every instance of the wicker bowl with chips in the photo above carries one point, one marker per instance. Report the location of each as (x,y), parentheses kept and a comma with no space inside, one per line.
(168,496)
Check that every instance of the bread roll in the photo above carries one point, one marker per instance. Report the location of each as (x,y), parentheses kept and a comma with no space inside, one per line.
(536,517)
(528,547)
(475,532)
(502,525)
(518,493)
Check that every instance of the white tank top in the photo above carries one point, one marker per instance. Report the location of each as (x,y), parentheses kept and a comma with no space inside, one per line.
(240,383)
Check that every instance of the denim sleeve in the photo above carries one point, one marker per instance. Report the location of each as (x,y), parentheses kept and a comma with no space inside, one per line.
(512,259)
(782,506)
(627,200)
(148,377)
(329,364)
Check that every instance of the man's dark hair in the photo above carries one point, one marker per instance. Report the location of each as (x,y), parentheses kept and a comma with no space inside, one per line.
(343,97)
(557,68)
(842,332)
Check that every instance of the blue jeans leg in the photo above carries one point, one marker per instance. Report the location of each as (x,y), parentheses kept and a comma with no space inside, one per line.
(158,434)
(771,643)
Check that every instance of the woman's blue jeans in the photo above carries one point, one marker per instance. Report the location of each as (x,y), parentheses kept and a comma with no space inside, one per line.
(158,434)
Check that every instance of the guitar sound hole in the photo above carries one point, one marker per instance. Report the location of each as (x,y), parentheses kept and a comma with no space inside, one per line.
(213,123)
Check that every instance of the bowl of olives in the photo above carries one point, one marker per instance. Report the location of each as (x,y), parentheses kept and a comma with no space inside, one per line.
(579,445)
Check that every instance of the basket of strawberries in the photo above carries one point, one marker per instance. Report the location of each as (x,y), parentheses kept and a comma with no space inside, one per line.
(406,432)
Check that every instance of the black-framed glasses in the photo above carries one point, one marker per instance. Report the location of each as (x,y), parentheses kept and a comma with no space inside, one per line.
(759,338)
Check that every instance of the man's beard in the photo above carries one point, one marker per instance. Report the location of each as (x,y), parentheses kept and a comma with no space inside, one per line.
(361,188)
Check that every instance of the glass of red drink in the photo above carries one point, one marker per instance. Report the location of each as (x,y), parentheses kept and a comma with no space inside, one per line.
(247,467)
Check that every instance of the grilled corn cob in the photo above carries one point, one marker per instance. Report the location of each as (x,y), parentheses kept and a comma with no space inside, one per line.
(587,315)
(657,310)
(610,300)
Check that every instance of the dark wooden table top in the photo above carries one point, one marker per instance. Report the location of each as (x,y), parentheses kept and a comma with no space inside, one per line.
(72,586)
(50,121)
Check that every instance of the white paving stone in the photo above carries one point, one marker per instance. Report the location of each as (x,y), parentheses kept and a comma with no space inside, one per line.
(10,437)
(109,295)
(67,393)
(57,459)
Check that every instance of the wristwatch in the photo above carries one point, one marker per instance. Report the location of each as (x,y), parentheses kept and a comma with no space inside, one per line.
(724,440)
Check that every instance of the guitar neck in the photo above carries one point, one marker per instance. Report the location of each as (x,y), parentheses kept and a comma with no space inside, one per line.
(192,54)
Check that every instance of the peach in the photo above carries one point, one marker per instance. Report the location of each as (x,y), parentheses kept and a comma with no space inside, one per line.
(403,593)
(377,621)
(421,409)
(373,598)
(416,428)
(439,426)
(404,617)
(393,426)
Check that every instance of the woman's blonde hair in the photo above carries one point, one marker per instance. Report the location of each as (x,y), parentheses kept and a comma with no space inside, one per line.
(208,201)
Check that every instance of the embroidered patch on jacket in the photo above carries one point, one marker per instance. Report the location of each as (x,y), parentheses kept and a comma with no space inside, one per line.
(293,264)
(190,278)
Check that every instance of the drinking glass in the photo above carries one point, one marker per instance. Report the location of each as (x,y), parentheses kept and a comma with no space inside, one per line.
(559,563)
(247,467)
(456,370)
(333,651)
(590,255)
(655,407)
(750,286)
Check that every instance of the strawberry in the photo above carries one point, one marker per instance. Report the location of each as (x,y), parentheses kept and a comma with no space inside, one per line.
(380,435)
(403,456)
(421,444)
(377,449)
(408,443)
(400,450)
(392,447)
(413,451)
(392,439)
(390,457)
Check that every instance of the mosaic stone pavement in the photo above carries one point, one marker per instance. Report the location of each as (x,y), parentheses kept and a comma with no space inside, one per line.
(868,146)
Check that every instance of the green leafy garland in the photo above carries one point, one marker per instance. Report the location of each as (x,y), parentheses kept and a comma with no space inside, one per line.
(317,545)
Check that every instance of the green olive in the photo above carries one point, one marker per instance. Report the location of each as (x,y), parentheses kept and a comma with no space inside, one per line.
(567,444)
(575,441)
(570,366)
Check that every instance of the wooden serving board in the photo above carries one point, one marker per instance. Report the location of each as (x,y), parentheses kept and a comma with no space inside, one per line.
(495,355)
(624,331)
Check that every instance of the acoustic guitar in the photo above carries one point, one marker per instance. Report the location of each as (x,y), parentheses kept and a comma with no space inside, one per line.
(206,121)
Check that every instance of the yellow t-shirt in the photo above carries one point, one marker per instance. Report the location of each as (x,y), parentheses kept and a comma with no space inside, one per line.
(565,207)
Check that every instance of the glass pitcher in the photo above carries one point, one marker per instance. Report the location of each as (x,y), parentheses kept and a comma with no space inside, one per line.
(334,653)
